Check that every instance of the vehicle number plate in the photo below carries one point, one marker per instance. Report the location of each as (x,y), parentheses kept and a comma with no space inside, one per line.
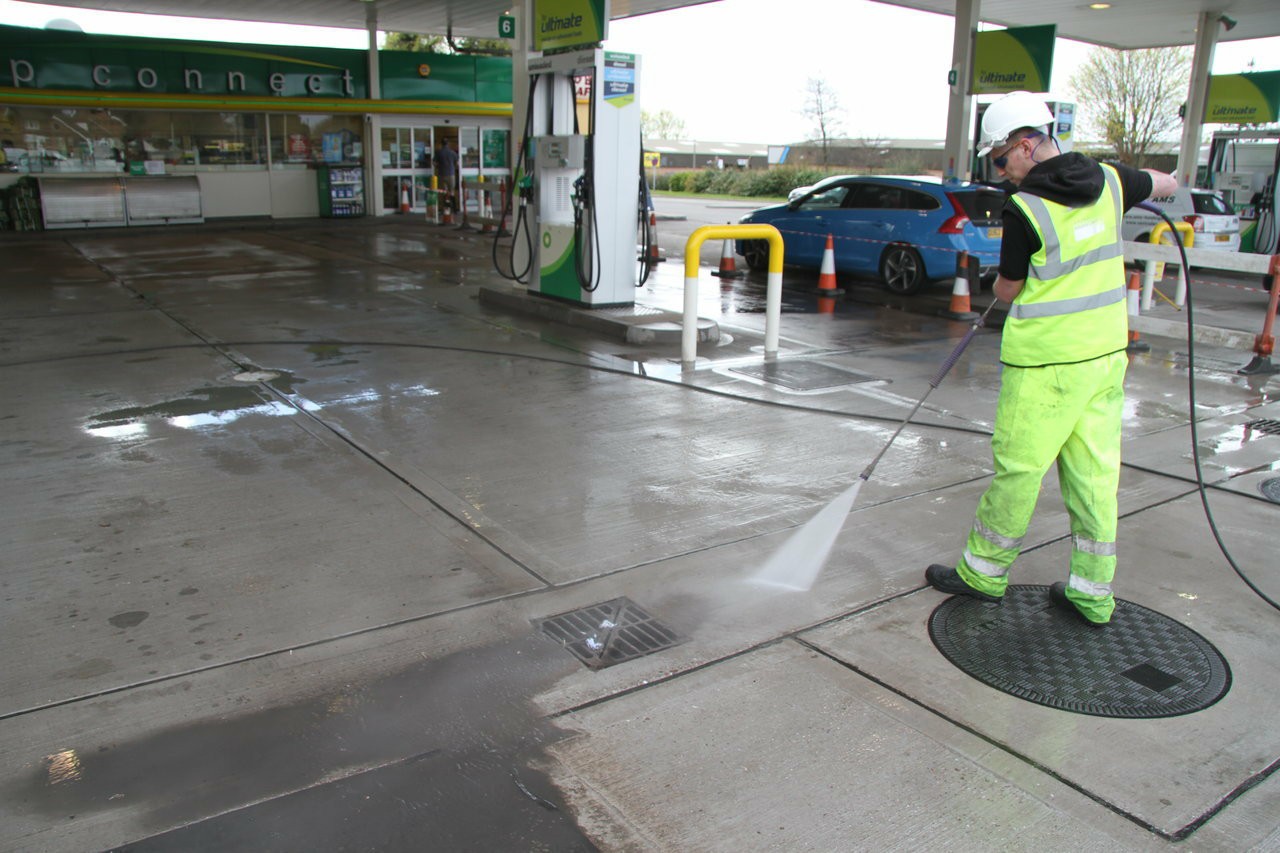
(995,233)
(1223,238)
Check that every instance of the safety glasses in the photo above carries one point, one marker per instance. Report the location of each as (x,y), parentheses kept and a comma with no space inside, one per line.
(1003,160)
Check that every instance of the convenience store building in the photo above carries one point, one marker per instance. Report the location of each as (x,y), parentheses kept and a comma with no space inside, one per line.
(248,129)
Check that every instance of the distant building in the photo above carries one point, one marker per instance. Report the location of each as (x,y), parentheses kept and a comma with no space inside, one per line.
(683,154)
(885,156)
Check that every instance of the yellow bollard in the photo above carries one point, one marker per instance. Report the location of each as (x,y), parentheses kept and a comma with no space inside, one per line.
(1158,235)
(773,292)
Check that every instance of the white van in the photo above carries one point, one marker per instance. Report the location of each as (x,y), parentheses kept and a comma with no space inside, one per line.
(1215,224)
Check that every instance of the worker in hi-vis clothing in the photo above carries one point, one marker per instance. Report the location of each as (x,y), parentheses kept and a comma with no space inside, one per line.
(1063,350)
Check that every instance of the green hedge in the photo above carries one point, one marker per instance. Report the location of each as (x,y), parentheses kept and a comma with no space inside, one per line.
(767,182)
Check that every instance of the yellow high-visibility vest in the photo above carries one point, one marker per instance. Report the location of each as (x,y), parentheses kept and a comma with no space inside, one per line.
(1072,306)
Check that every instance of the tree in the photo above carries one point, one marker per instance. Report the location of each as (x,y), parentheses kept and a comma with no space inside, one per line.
(428,43)
(663,124)
(1131,97)
(415,41)
(823,108)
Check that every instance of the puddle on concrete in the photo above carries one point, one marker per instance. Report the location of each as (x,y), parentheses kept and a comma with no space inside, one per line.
(448,742)
(206,407)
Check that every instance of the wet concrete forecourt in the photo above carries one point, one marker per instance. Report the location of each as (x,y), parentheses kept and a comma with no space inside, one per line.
(286,507)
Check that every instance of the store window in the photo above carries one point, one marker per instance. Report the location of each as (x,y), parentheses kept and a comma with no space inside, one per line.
(135,141)
(300,141)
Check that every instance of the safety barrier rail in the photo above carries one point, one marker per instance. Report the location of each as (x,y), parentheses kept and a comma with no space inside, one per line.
(1267,266)
(482,204)
(773,292)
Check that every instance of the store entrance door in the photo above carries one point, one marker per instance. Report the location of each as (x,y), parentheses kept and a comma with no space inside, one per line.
(406,168)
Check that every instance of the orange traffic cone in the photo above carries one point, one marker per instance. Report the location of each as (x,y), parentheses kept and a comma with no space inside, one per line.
(404,199)
(654,258)
(827,274)
(447,202)
(1134,297)
(826,305)
(728,269)
(960,309)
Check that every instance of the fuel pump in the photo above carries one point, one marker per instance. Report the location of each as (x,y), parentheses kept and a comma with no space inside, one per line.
(581,245)
(1243,166)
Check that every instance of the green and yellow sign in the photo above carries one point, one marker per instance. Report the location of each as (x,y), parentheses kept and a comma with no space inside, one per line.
(564,24)
(1013,60)
(1243,98)
(58,67)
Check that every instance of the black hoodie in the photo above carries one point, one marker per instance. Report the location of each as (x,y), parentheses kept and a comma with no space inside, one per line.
(1070,179)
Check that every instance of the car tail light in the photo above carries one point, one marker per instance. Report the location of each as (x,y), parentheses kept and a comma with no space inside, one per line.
(956,222)
(1197,222)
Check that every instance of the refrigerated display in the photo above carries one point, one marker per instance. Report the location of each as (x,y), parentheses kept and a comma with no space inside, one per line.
(341,190)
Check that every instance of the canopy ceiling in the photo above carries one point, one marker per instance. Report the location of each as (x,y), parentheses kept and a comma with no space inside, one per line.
(1128,24)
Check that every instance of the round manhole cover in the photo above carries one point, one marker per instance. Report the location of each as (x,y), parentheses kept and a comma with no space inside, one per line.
(1271,489)
(1142,665)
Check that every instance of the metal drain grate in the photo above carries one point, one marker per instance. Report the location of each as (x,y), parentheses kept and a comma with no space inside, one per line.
(1142,665)
(1270,426)
(1271,489)
(609,633)
(804,375)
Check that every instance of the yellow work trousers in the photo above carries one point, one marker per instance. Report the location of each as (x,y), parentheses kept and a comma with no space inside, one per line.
(1070,413)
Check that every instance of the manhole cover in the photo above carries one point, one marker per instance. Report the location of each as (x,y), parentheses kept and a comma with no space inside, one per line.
(1142,665)
(804,375)
(1270,426)
(611,632)
(1271,489)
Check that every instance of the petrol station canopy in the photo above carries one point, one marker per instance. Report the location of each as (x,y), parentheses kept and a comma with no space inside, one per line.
(1123,24)
(1126,24)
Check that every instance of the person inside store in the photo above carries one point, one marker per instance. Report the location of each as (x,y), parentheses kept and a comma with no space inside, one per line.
(447,172)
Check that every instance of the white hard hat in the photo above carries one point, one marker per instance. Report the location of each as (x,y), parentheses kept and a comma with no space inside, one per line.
(1014,111)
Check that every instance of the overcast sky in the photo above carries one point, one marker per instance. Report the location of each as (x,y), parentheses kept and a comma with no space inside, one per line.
(735,70)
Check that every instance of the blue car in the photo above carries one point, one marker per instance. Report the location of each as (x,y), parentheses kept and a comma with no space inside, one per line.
(907,230)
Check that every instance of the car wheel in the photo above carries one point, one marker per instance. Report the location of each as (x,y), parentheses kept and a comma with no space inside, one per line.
(756,253)
(902,269)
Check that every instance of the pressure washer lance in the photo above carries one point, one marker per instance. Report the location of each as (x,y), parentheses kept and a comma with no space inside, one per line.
(943,370)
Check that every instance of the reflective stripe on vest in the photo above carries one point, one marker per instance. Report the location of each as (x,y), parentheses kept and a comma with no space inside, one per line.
(1054,266)
(1067,306)
(1072,305)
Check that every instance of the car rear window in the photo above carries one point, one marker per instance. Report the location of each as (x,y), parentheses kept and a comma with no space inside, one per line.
(981,206)
(1210,203)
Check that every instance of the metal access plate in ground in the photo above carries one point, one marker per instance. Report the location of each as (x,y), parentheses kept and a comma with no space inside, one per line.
(608,633)
(804,375)
(1142,665)
(1267,426)
(1270,489)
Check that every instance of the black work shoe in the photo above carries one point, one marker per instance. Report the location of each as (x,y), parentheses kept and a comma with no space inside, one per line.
(1058,595)
(948,580)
